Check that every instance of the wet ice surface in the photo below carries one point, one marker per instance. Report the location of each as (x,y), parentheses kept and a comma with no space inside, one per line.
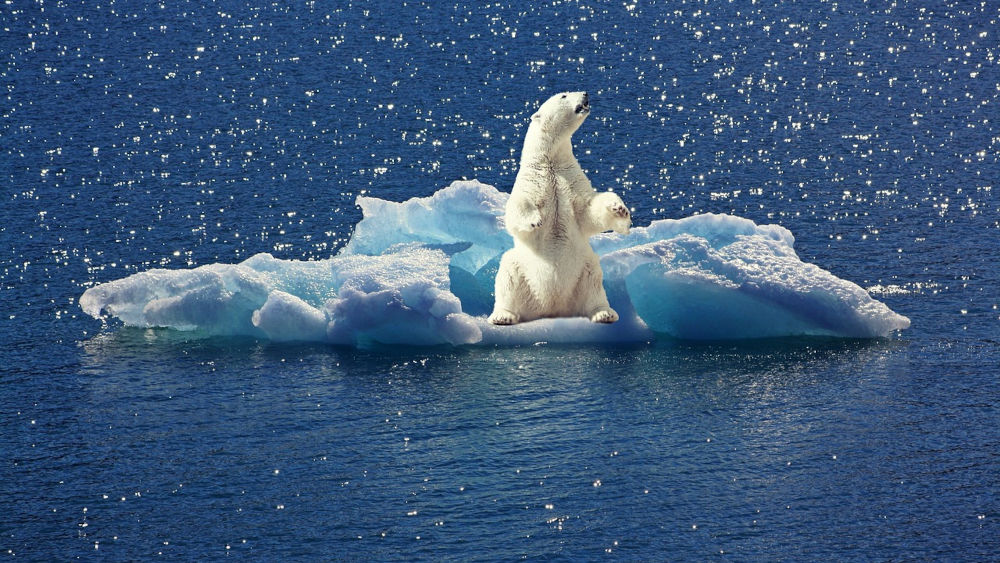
(151,136)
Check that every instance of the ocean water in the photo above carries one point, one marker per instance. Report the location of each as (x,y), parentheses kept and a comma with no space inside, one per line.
(143,135)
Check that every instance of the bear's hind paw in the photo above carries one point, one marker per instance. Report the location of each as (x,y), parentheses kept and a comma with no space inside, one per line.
(605,316)
(502,317)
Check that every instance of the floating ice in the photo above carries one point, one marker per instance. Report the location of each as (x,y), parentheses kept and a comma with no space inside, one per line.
(467,213)
(421,272)
(400,296)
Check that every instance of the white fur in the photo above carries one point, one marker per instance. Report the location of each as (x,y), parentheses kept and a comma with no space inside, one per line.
(552,212)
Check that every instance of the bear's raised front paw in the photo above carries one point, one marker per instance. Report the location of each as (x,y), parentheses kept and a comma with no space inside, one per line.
(502,317)
(606,316)
(619,211)
(621,219)
(611,213)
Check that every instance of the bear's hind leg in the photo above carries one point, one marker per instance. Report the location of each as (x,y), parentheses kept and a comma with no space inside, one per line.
(506,292)
(594,303)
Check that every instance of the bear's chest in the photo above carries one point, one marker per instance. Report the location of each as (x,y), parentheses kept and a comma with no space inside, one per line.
(560,227)
(557,196)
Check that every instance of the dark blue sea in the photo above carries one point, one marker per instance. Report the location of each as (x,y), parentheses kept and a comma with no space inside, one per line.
(140,135)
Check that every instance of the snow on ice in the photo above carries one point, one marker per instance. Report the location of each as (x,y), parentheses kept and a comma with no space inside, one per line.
(421,272)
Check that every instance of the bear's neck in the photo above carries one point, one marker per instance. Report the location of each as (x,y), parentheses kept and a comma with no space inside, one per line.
(542,150)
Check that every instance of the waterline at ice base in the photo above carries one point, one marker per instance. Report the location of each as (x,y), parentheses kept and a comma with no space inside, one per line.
(421,272)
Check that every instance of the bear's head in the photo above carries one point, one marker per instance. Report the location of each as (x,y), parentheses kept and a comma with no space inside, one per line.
(563,113)
(553,125)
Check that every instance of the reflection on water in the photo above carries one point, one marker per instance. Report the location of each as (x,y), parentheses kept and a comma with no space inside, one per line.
(708,444)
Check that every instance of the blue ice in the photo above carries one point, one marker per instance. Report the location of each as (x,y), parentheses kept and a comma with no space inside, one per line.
(421,272)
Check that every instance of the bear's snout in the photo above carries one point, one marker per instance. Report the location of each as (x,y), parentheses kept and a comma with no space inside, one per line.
(584,104)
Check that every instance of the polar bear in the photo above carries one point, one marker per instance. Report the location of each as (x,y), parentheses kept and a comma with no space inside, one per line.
(552,271)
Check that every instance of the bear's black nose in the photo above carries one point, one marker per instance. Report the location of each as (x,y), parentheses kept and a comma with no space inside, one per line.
(586,99)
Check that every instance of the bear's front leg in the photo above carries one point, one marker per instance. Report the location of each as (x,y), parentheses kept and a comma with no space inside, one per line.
(522,217)
(608,212)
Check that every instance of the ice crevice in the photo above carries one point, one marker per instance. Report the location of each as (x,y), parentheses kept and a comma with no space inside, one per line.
(421,272)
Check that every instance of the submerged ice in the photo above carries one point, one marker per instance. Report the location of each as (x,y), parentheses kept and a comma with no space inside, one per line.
(422,271)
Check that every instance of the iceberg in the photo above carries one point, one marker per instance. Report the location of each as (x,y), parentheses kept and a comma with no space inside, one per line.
(398,297)
(420,272)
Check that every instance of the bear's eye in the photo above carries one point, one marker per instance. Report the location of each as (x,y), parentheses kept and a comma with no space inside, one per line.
(564,96)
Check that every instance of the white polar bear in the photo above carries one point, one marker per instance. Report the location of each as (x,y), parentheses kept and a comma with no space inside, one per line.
(552,271)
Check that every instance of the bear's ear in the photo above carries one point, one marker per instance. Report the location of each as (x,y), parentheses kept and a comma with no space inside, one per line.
(537,116)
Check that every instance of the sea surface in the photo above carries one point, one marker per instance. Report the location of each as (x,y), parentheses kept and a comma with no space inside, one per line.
(139,135)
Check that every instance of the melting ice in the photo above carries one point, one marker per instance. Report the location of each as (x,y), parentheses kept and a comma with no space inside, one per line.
(422,271)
